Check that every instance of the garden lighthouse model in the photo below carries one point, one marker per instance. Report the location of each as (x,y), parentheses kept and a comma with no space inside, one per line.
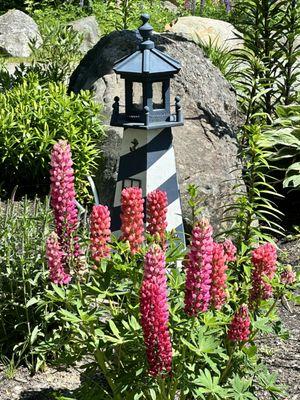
(147,157)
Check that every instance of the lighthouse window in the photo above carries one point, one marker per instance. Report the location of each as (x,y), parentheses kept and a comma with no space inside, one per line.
(158,97)
(137,95)
(131,183)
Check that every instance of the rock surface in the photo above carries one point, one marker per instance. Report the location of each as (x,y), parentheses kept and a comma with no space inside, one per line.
(89,29)
(221,33)
(170,6)
(205,147)
(17,29)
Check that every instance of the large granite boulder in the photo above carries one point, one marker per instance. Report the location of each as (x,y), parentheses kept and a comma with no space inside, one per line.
(221,33)
(89,29)
(17,29)
(206,151)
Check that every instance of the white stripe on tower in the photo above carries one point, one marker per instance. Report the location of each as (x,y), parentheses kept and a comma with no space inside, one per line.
(148,155)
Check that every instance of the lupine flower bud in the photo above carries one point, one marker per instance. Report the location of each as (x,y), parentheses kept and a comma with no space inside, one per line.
(288,276)
(198,265)
(132,215)
(264,266)
(55,258)
(157,203)
(239,329)
(218,277)
(155,314)
(100,232)
(229,250)
(63,197)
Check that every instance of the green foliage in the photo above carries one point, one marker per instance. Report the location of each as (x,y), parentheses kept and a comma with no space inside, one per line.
(23,278)
(265,75)
(111,15)
(254,215)
(267,64)
(220,56)
(55,59)
(99,317)
(215,9)
(282,139)
(32,119)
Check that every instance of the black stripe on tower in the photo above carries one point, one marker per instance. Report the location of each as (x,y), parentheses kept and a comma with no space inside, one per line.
(143,157)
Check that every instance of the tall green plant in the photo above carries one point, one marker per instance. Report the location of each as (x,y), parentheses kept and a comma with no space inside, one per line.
(24,227)
(254,216)
(267,63)
(269,31)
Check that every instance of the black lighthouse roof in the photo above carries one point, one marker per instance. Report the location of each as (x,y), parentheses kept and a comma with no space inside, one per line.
(147,60)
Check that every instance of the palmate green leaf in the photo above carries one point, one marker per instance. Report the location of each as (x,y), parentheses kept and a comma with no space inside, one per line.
(262,324)
(209,385)
(240,389)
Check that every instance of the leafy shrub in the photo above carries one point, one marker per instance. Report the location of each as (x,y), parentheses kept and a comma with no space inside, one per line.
(32,119)
(55,59)
(24,227)
(282,139)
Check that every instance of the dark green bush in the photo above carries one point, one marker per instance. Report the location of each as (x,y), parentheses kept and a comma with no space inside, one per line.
(32,118)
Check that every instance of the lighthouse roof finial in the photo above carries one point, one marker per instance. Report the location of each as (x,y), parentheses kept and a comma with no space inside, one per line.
(146,31)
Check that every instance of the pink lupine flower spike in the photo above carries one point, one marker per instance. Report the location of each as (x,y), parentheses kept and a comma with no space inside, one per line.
(55,257)
(155,314)
(132,228)
(157,203)
(63,202)
(239,329)
(100,232)
(198,269)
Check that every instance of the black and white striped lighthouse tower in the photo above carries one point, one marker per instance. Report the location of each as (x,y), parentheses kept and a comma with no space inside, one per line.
(147,157)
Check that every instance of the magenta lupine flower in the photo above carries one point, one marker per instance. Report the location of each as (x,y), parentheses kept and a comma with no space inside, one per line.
(100,232)
(55,257)
(229,250)
(155,314)
(218,277)
(157,206)
(198,265)
(63,198)
(264,266)
(239,329)
(288,276)
(132,207)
